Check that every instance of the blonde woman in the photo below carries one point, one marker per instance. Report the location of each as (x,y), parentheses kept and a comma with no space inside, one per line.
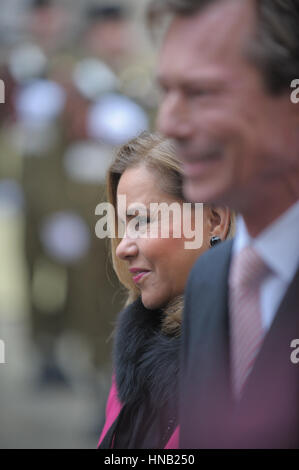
(142,405)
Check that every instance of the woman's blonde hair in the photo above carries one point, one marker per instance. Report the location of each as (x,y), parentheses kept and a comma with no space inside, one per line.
(158,154)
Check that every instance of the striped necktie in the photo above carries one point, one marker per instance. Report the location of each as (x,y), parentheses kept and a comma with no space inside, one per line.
(247,273)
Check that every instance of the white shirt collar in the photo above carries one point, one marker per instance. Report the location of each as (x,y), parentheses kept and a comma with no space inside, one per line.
(278,244)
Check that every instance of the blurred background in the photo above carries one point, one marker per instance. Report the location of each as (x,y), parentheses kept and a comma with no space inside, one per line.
(79,81)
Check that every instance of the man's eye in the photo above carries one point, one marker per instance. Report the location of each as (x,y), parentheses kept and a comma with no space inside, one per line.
(162,89)
(197,92)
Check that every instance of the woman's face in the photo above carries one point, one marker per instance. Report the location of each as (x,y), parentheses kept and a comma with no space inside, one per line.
(159,266)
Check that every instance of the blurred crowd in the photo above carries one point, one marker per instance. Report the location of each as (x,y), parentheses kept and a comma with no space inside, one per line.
(77,84)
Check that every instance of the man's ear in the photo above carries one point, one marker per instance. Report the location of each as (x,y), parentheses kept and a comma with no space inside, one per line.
(219,218)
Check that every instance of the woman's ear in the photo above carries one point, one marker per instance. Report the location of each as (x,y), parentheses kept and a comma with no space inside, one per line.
(219,221)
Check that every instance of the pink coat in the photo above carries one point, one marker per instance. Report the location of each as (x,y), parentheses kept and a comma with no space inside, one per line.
(112,411)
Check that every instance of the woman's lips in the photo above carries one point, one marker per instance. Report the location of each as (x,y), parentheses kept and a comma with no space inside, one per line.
(139,276)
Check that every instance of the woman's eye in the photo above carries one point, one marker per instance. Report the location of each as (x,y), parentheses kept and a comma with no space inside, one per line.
(143,220)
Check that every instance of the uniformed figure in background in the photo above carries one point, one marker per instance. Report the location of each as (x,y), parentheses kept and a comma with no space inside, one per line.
(65,122)
(78,84)
(73,295)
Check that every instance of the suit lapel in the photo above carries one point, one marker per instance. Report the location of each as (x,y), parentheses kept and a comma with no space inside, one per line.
(217,324)
(206,368)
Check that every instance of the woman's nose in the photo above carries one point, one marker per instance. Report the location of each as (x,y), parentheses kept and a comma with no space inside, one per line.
(127,248)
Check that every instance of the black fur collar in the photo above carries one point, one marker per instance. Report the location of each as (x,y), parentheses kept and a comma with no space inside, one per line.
(146,359)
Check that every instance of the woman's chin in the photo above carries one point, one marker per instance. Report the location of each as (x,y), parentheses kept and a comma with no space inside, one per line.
(152,303)
(149,304)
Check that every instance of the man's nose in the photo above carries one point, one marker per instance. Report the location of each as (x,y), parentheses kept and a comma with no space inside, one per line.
(127,248)
(173,118)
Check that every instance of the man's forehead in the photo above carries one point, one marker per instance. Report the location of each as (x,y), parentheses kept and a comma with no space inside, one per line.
(218,31)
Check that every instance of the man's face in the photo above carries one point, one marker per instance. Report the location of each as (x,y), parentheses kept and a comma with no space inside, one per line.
(234,138)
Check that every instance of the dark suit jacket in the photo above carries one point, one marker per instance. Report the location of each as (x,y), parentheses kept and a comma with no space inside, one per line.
(267,416)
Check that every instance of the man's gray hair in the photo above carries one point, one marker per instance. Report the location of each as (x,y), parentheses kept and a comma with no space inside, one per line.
(274,47)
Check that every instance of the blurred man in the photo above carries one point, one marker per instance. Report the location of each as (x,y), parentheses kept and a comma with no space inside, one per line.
(48,24)
(109,35)
(226,67)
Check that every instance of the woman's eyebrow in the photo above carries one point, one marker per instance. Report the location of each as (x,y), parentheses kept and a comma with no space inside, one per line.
(137,207)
